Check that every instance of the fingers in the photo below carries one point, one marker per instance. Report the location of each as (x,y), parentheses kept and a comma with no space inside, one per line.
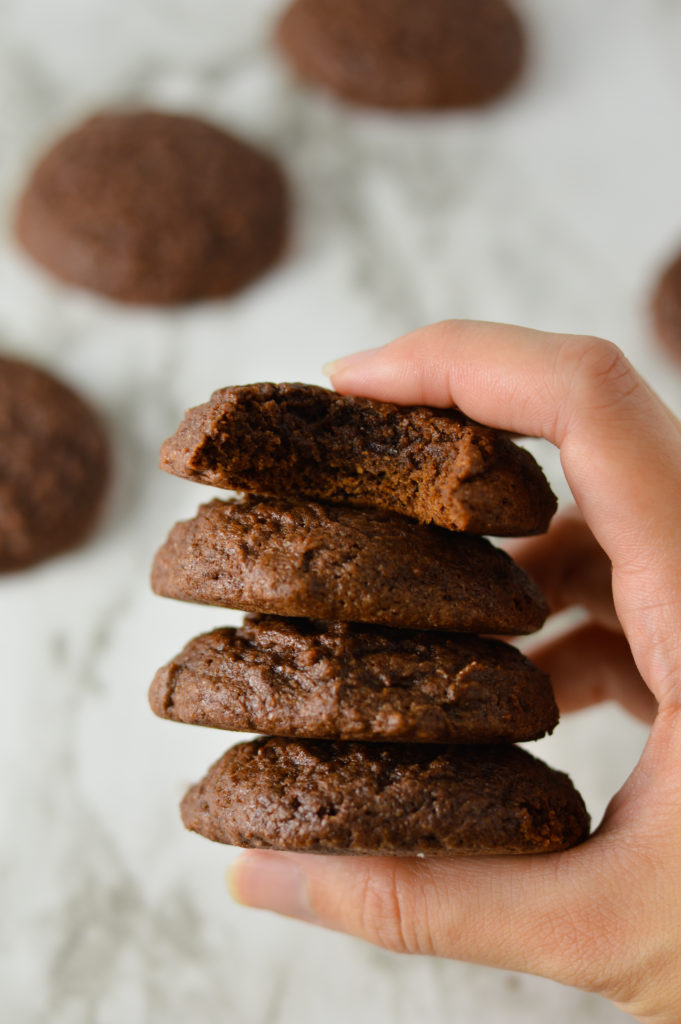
(560,915)
(570,567)
(455,907)
(620,448)
(591,664)
(580,393)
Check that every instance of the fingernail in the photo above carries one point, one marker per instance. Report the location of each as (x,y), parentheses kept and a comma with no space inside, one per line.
(339,365)
(270,881)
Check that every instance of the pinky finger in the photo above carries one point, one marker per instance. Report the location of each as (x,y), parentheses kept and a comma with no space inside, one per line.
(591,664)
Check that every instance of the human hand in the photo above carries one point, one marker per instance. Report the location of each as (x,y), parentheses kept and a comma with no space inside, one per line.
(606,915)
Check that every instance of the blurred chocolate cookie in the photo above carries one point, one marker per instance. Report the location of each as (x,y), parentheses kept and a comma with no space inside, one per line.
(666,308)
(53,466)
(405,54)
(154,208)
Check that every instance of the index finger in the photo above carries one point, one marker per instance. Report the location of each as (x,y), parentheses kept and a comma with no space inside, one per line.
(620,445)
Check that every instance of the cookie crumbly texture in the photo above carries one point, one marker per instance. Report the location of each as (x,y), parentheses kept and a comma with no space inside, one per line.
(435,465)
(666,308)
(340,563)
(405,54)
(54,465)
(295,677)
(385,798)
(153,208)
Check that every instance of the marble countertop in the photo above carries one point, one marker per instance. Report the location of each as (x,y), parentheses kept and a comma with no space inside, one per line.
(553,209)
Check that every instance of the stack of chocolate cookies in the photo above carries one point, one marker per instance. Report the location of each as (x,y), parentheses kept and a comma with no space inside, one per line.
(357,549)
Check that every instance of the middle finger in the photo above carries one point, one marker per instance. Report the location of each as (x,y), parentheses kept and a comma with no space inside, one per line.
(570,567)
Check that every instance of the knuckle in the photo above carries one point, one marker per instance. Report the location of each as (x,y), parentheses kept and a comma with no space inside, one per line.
(597,370)
(391,914)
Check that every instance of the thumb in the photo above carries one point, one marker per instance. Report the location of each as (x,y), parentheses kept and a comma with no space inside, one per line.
(499,911)
(563,916)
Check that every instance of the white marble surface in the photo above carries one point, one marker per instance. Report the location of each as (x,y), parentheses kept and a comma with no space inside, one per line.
(552,209)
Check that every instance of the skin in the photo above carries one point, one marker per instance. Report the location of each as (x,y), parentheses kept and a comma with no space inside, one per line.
(606,916)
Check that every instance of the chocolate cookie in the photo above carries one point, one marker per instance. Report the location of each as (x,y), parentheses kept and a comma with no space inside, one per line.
(341,563)
(53,466)
(385,798)
(433,464)
(666,308)
(153,208)
(294,677)
(405,54)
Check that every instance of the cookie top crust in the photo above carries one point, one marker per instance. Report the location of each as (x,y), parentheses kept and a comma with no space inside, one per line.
(340,563)
(435,465)
(54,465)
(148,207)
(385,798)
(404,55)
(296,677)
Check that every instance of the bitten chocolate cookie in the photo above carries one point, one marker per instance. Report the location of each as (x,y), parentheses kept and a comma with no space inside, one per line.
(435,465)
(402,54)
(336,562)
(53,466)
(154,208)
(666,308)
(385,798)
(294,677)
